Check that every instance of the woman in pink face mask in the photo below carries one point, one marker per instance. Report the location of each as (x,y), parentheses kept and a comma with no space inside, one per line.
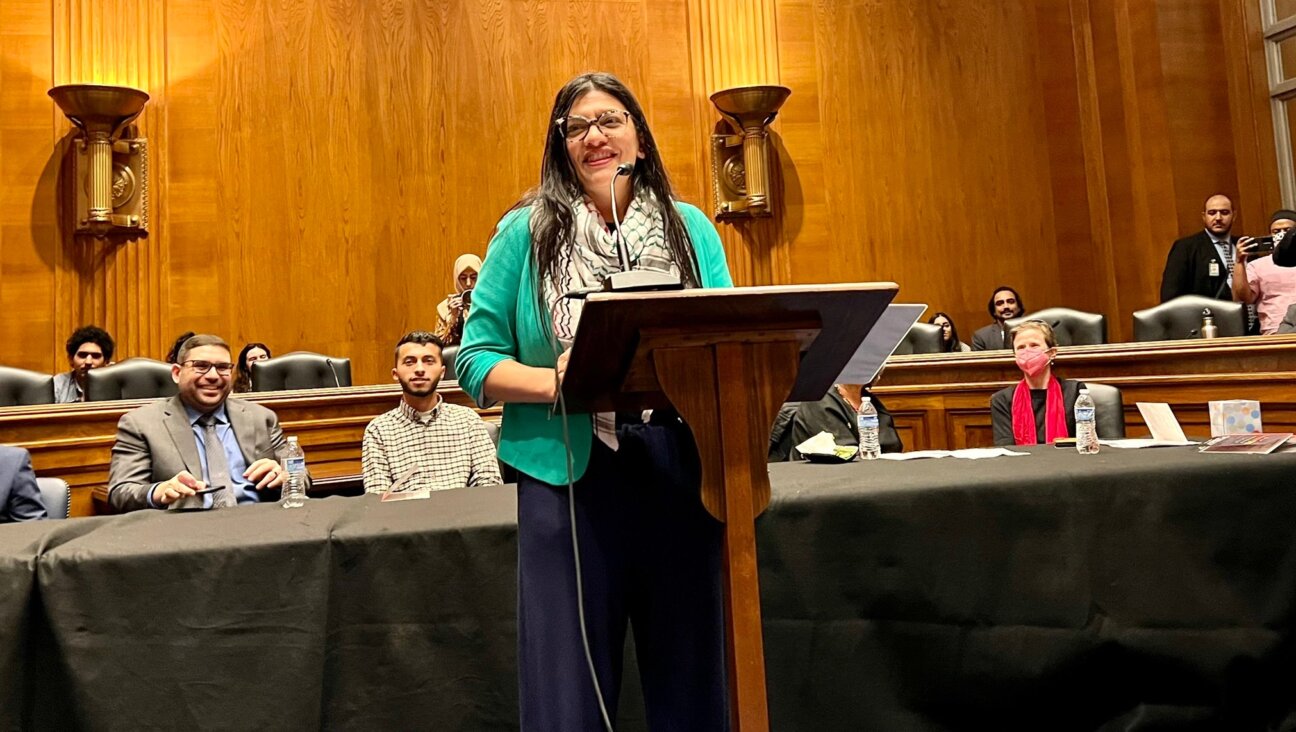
(1040,408)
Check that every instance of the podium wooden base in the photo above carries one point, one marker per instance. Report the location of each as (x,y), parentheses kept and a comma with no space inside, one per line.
(729,393)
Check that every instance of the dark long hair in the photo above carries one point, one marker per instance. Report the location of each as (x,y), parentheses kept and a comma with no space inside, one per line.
(551,214)
(243,379)
(953,344)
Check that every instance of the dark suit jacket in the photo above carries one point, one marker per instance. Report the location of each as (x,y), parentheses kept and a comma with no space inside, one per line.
(990,338)
(1001,413)
(20,499)
(1289,321)
(1187,270)
(799,421)
(155,442)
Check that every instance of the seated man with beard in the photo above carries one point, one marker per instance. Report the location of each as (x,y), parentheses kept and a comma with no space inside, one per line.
(1005,304)
(446,445)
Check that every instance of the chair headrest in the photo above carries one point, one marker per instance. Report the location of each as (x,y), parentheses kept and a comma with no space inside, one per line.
(134,378)
(1182,318)
(20,386)
(1072,327)
(301,370)
(921,338)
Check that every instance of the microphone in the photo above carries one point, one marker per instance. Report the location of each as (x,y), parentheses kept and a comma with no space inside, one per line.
(336,381)
(622,169)
(636,280)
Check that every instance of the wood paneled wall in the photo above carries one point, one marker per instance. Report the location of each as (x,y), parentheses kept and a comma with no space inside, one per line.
(318,166)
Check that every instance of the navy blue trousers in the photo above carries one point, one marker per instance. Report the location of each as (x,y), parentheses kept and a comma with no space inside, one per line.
(650,555)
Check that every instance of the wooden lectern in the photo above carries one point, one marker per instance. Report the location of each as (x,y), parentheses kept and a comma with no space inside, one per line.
(726,360)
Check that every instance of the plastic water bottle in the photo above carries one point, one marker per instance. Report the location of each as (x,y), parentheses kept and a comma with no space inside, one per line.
(294,464)
(867,419)
(1086,429)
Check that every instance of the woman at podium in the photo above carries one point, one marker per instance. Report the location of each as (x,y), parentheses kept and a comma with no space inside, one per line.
(649,553)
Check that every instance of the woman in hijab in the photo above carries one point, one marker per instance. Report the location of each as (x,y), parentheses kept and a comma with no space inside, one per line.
(451,311)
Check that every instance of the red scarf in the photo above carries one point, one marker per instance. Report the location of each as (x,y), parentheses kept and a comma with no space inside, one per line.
(1023,414)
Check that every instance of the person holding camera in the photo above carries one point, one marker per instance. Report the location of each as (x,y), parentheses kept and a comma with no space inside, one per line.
(452,310)
(1264,284)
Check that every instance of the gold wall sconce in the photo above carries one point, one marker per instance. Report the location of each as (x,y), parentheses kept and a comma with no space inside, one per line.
(740,164)
(109,174)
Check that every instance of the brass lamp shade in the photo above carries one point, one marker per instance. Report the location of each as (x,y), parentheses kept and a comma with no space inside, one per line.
(102,112)
(742,179)
(751,106)
(99,109)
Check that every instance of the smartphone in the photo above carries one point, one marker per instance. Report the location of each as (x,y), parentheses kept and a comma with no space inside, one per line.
(212,489)
(1261,246)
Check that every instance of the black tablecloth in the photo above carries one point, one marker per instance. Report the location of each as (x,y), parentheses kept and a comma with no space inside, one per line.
(1128,590)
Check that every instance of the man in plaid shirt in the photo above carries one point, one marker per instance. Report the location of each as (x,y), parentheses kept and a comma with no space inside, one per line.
(438,445)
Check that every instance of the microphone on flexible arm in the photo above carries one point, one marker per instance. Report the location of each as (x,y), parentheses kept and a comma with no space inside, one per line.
(336,381)
(633,280)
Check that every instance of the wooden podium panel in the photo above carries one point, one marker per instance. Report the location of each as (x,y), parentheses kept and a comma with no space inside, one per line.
(726,360)
(612,355)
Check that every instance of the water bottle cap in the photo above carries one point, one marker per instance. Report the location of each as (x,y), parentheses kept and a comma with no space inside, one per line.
(1084,390)
(293,439)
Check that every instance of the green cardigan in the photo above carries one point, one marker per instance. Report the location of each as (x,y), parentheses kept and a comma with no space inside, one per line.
(505,323)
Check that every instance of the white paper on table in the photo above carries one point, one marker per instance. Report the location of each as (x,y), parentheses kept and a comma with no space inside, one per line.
(977,453)
(974,453)
(880,343)
(916,455)
(1136,443)
(1161,422)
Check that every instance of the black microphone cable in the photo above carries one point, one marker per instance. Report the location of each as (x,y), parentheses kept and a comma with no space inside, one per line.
(571,512)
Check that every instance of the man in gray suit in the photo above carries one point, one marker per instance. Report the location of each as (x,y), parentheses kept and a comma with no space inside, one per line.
(1289,321)
(197,449)
(20,499)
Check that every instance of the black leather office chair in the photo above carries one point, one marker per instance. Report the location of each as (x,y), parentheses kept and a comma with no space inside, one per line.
(1072,327)
(301,370)
(1109,410)
(448,356)
(1182,318)
(921,338)
(56,495)
(20,386)
(134,378)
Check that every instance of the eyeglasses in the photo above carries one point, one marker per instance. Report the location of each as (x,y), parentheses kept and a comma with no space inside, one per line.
(575,127)
(202,367)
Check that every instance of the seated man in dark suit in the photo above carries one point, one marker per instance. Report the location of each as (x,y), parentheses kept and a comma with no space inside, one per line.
(169,450)
(20,499)
(1201,264)
(1005,304)
(836,414)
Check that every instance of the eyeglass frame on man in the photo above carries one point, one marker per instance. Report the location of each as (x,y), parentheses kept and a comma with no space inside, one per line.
(561,124)
(222,369)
